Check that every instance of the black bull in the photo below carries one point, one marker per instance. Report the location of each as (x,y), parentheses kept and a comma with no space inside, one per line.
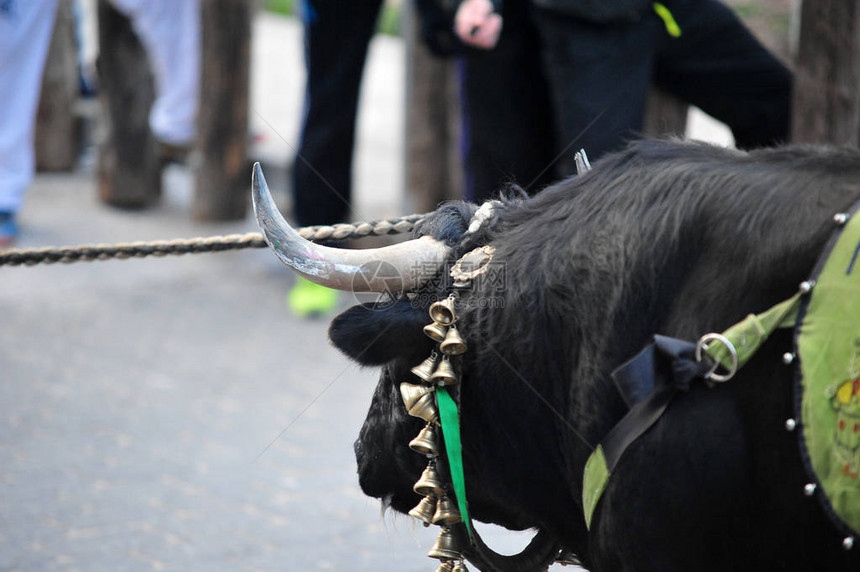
(668,238)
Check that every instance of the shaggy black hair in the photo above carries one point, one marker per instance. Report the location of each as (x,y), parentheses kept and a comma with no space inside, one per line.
(662,237)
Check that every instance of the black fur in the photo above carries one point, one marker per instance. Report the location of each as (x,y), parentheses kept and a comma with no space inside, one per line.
(663,237)
(375,334)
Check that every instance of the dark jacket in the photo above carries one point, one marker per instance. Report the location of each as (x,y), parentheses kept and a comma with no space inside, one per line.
(601,11)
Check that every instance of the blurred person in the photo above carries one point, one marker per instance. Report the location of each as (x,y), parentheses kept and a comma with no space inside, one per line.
(170,32)
(336,38)
(597,62)
(25,33)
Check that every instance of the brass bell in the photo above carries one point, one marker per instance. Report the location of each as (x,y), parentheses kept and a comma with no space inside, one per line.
(425,369)
(424,510)
(443,311)
(444,374)
(435,331)
(429,484)
(453,344)
(445,547)
(425,408)
(446,566)
(425,442)
(459,567)
(411,393)
(446,512)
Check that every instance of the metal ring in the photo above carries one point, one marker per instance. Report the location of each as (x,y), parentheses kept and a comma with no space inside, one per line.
(712,375)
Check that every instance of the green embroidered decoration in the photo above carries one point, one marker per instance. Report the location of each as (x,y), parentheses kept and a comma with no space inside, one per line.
(828,343)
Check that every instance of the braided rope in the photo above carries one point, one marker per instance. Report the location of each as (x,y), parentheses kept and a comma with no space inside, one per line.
(91,252)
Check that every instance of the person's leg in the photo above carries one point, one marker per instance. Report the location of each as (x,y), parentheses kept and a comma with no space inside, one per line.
(717,65)
(599,77)
(170,32)
(507,124)
(25,34)
(337,33)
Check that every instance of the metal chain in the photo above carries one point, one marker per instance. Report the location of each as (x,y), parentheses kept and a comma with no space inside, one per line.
(90,252)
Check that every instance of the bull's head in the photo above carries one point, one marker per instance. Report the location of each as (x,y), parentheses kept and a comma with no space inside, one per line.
(391,336)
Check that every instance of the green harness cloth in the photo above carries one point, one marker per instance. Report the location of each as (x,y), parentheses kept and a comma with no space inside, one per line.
(450,420)
(748,335)
(828,344)
(595,479)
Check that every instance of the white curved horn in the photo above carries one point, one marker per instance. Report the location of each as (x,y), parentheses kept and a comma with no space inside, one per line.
(401,267)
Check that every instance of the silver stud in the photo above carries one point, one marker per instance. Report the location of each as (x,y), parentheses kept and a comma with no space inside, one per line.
(790,424)
(809,489)
(806,286)
(848,543)
(787,358)
(840,218)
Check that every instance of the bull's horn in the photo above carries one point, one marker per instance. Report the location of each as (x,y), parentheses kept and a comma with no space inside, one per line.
(401,267)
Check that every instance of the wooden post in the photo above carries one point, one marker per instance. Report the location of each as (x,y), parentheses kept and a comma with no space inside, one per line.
(129,172)
(222,173)
(826,106)
(434,167)
(57,140)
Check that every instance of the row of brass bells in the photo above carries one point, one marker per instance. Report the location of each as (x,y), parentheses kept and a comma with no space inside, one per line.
(446,547)
(436,507)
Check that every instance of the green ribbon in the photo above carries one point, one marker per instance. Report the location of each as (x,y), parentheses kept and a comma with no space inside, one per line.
(749,334)
(450,420)
(672,27)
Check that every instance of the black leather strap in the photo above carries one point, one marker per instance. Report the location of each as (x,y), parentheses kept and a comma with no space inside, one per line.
(648,382)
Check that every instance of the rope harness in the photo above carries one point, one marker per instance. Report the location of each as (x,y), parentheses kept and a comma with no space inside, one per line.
(92,252)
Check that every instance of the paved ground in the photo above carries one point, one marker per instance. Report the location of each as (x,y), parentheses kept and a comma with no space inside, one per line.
(170,414)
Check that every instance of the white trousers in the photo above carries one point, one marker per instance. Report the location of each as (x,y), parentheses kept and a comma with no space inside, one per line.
(170,32)
(168,29)
(25,33)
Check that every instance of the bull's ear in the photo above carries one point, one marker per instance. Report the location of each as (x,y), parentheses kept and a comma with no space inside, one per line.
(373,335)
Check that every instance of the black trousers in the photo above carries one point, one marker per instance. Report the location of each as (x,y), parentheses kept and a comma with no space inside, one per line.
(337,33)
(597,78)
(507,118)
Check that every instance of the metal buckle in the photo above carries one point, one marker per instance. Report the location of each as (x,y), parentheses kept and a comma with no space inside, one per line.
(712,375)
